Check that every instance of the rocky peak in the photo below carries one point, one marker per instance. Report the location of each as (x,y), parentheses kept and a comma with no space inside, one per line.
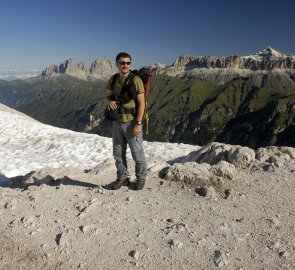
(68,67)
(101,68)
(184,60)
(82,66)
(269,52)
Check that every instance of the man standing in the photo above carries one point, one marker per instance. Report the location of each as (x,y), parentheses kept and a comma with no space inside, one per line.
(128,128)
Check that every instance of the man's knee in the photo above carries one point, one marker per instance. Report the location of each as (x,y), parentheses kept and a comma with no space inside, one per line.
(138,156)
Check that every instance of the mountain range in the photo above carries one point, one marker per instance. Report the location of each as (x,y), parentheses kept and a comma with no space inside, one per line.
(246,100)
(207,68)
(224,69)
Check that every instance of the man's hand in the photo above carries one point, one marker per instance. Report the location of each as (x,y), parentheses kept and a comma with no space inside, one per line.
(136,130)
(112,105)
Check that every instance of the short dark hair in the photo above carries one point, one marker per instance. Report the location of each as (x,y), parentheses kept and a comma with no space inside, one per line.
(122,54)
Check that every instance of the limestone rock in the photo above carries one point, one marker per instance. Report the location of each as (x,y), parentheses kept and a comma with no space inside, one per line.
(69,67)
(220,259)
(223,69)
(190,172)
(101,68)
(134,254)
(224,169)
(216,152)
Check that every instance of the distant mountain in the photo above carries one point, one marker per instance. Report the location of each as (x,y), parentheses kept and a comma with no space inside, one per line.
(224,69)
(101,68)
(246,100)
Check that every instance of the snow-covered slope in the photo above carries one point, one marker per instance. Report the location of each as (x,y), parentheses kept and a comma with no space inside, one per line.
(27,145)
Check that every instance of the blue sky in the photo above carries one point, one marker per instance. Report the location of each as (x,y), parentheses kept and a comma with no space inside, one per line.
(35,34)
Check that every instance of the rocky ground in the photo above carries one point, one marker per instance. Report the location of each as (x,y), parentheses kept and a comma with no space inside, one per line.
(226,207)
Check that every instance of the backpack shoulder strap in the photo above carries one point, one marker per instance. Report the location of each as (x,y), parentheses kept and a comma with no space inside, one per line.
(114,80)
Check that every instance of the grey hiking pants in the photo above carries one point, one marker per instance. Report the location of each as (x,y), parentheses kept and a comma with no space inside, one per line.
(122,135)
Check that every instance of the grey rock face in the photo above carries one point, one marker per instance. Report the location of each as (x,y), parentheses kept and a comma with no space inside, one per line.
(68,67)
(266,59)
(223,69)
(216,152)
(101,68)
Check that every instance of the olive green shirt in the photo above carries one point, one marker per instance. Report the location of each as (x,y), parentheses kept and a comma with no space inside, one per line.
(117,90)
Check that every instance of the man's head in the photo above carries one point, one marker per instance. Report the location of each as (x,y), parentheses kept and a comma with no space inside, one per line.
(123,62)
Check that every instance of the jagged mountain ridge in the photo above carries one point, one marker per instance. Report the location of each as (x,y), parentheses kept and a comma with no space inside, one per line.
(224,69)
(101,68)
(206,68)
(266,59)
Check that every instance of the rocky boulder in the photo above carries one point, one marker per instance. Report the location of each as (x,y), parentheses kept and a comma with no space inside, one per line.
(216,152)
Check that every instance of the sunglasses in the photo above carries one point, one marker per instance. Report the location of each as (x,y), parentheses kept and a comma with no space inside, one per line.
(124,63)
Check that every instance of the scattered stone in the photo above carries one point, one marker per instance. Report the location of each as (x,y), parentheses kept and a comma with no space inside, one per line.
(47,255)
(175,243)
(274,221)
(274,245)
(27,220)
(61,239)
(162,173)
(88,228)
(207,191)
(220,259)
(202,191)
(101,191)
(34,232)
(284,254)
(11,205)
(292,167)
(227,193)
(81,266)
(178,227)
(88,209)
(240,219)
(170,220)
(134,254)
(129,199)
(157,165)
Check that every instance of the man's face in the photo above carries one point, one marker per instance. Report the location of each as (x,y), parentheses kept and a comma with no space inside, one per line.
(124,65)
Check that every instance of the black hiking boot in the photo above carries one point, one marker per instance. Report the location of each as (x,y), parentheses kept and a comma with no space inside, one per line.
(139,184)
(119,183)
